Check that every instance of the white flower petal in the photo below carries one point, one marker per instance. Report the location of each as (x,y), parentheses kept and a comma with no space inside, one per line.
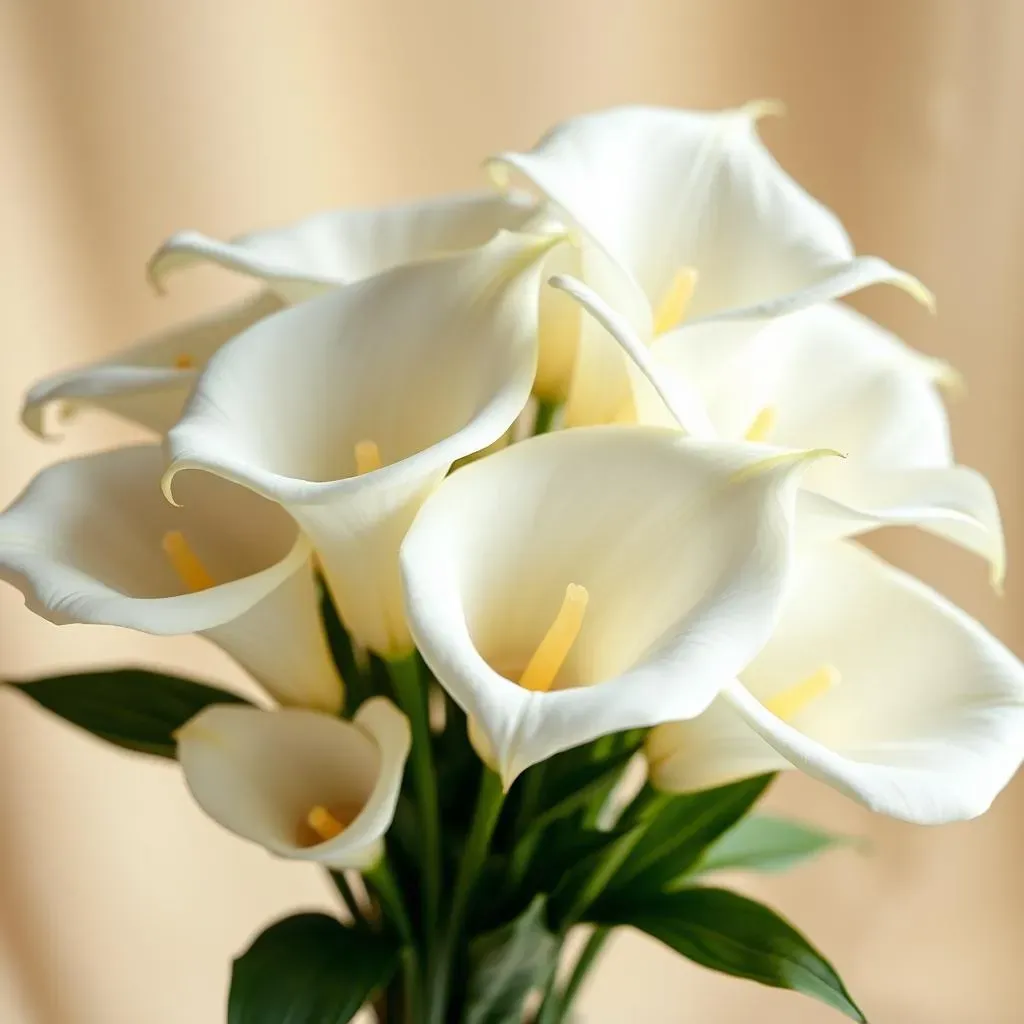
(430,362)
(683,548)
(260,773)
(832,378)
(302,259)
(84,544)
(954,502)
(598,393)
(660,190)
(149,382)
(926,722)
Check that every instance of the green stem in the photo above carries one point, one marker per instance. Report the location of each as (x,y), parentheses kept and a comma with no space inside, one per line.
(526,842)
(383,884)
(550,1004)
(348,899)
(411,692)
(544,419)
(645,805)
(485,818)
(590,952)
(391,902)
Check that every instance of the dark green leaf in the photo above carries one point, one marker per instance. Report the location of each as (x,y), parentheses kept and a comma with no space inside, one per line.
(587,880)
(571,778)
(506,964)
(309,969)
(132,708)
(737,936)
(679,832)
(763,843)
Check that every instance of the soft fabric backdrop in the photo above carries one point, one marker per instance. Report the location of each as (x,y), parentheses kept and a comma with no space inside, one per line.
(121,120)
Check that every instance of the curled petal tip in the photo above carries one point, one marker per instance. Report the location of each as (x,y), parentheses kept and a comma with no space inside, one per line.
(498,174)
(791,460)
(917,290)
(756,109)
(950,380)
(167,482)
(997,577)
(154,273)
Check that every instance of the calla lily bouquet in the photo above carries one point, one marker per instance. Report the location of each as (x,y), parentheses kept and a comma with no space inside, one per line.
(535,513)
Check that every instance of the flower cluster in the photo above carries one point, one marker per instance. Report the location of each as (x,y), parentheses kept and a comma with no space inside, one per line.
(575,466)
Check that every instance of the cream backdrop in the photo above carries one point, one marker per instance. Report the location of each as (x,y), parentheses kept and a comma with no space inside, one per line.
(121,120)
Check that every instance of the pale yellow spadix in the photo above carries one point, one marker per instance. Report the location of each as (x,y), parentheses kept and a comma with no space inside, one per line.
(788,703)
(762,425)
(674,301)
(551,652)
(185,562)
(367,457)
(323,823)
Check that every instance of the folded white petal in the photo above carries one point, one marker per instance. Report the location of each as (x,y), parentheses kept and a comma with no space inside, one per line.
(682,546)
(428,363)
(954,502)
(149,382)
(829,377)
(660,190)
(85,543)
(260,774)
(925,723)
(833,281)
(302,259)
(611,350)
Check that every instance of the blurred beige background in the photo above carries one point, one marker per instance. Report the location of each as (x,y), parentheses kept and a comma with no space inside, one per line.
(122,120)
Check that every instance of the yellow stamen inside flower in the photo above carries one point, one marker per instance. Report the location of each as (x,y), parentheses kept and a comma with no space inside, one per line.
(676,298)
(788,703)
(185,562)
(184,362)
(762,425)
(323,823)
(551,652)
(367,457)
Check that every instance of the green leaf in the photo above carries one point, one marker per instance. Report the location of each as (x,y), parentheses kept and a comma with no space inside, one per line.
(679,832)
(132,708)
(309,969)
(737,936)
(764,843)
(587,880)
(506,964)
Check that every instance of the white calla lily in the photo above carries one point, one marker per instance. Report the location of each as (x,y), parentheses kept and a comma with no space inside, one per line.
(303,259)
(147,383)
(594,580)
(872,683)
(302,784)
(349,409)
(685,214)
(92,540)
(825,377)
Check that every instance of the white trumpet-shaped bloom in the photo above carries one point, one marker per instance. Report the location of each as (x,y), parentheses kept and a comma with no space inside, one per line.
(302,784)
(92,540)
(595,580)
(824,377)
(872,683)
(684,214)
(350,408)
(148,383)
